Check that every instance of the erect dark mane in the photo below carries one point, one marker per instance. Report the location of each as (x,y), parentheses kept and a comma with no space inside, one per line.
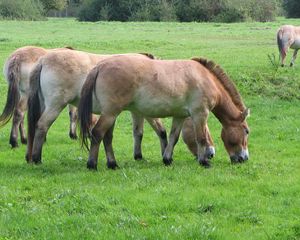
(149,55)
(224,80)
(69,47)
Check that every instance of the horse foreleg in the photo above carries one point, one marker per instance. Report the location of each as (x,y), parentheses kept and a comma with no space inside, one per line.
(73,120)
(104,123)
(160,131)
(18,122)
(189,138)
(107,141)
(173,139)
(204,152)
(137,129)
(294,57)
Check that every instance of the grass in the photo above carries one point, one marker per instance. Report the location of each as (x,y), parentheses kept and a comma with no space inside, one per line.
(61,199)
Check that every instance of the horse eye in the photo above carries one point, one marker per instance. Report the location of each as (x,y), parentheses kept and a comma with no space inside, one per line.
(247,131)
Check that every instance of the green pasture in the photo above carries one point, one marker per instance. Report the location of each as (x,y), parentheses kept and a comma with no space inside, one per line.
(61,199)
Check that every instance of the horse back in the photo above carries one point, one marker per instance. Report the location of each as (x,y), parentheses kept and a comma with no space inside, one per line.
(152,86)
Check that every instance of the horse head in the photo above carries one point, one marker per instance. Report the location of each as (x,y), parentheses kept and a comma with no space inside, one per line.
(235,138)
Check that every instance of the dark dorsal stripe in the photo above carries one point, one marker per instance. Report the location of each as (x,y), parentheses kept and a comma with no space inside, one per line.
(228,85)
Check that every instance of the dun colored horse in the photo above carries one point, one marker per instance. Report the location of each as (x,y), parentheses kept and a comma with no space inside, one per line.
(164,88)
(16,71)
(56,81)
(288,36)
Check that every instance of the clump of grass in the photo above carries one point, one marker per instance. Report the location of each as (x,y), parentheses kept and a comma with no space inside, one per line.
(274,62)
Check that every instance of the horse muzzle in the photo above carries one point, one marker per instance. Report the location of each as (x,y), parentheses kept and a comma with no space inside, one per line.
(210,152)
(240,157)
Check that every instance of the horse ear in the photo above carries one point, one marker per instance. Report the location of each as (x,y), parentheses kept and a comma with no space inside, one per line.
(245,114)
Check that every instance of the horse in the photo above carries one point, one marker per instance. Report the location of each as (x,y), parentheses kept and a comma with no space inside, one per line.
(55,82)
(164,88)
(288,36)
(16,71)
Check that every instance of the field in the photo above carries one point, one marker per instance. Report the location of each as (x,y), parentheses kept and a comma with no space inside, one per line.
(61,199)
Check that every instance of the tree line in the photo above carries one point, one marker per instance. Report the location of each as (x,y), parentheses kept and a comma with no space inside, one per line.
(151,10)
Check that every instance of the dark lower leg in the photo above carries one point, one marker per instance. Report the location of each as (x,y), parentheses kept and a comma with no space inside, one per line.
(73,119)
(137,128)
(110,157)
(173,139)
(294,57)
(17,118)
(103,125)
(22,131)
(161,132)
(38,142)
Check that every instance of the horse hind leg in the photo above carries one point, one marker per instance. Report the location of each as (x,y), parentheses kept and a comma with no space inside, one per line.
(294,57)
(21,127)
(43,125)
(73,120)
(107,141)
(160,131)
(104,124)
(137,129)
(18,123)
(173,139)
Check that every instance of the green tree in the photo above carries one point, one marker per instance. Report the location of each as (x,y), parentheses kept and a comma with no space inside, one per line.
(292,8)
(53,4)
(21,9)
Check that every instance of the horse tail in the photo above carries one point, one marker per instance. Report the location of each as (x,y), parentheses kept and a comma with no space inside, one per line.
(35,103)
(85,107)
(13,77)
(280,42)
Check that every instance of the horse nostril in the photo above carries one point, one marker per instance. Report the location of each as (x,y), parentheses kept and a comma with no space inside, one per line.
(210,152)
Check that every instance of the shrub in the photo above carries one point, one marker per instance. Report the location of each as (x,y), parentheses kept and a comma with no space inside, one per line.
(230,15)
(21,9)
(182,10)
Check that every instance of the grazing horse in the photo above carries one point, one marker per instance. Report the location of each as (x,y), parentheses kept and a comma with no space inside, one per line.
(164,88)
(16,71)
(288,36)
(55,82)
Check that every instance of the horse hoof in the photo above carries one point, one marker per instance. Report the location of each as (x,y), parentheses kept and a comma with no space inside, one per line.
(205,163)
(36,159)
(138,156)
(73,136)
(13,143)
(28,159)
(112,165)
(167,161)
(91,165)
(37,162)
(24,141)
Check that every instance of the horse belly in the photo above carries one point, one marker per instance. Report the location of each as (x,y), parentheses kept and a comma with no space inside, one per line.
(160,108)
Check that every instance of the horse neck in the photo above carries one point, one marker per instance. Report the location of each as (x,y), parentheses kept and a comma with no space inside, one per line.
(225,110)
